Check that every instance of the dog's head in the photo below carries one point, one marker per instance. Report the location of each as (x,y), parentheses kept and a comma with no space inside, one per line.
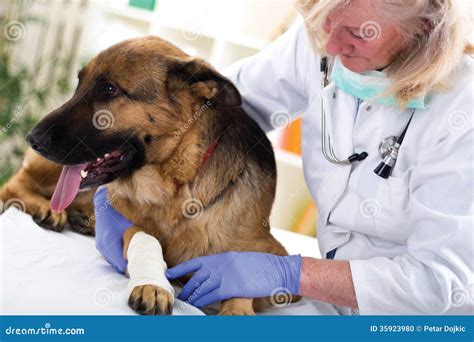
(130,102)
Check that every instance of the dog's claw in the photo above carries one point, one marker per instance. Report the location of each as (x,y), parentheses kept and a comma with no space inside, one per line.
(80,222)
(50,220)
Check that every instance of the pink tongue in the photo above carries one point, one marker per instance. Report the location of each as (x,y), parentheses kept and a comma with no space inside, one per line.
(67,187)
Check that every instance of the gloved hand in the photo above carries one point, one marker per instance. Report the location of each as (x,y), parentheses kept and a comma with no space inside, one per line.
(109,228)
(237,274)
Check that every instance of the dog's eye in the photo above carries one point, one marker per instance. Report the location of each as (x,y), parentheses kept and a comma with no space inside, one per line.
(109,91)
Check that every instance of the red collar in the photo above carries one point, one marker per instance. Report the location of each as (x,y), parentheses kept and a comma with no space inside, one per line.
(207,154)
(209,151)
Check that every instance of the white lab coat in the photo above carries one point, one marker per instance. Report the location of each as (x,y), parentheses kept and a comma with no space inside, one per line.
(409,238)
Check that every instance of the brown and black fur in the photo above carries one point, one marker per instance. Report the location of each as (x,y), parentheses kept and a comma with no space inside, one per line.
(161,90)
(30,189)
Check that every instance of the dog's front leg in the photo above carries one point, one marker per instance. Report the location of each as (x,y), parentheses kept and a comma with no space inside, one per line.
(150,293)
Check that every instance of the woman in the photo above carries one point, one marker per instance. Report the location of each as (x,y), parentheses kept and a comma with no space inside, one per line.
(398,241)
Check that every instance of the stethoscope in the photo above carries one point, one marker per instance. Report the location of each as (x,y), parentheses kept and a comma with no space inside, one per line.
(388,148)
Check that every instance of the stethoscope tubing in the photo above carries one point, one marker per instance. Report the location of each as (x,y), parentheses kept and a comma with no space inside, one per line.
(327,147)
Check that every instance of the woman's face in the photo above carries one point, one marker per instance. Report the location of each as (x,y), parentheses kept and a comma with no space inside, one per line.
(361,38)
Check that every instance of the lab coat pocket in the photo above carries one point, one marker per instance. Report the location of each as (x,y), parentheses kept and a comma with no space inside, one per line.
(393,210)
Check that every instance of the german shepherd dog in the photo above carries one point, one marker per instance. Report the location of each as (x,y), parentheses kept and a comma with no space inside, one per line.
(180,157)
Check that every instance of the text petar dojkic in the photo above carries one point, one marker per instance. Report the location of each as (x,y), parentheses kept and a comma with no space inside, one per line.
(444,328)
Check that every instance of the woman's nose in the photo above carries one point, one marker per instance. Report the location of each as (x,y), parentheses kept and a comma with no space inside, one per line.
(337,45)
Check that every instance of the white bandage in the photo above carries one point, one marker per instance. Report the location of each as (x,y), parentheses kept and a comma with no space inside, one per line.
(146,265)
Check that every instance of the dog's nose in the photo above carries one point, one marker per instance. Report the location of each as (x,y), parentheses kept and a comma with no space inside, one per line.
(36,144)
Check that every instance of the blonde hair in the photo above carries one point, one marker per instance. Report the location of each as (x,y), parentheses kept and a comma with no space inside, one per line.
(436,34)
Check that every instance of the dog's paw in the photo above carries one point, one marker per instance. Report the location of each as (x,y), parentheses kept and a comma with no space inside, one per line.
(80,222)
(236,312)
(151,300)
(237,307)
(48,219)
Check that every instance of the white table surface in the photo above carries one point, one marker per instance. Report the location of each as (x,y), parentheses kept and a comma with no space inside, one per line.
(48,273)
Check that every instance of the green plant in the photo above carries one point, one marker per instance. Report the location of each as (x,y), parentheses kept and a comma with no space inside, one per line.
(22,102)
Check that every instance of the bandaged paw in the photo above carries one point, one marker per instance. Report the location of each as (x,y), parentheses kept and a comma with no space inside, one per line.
(146,265)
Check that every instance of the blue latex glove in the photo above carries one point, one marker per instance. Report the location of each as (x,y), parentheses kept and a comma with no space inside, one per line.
(237,274)
(109,228)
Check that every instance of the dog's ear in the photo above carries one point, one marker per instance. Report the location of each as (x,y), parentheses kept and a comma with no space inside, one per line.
(204,81)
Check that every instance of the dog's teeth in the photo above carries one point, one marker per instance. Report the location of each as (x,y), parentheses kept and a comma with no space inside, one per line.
(106,155)
(84,174)
(122,156)
(98,159)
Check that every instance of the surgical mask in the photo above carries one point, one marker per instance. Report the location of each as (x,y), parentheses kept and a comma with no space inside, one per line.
(367,85)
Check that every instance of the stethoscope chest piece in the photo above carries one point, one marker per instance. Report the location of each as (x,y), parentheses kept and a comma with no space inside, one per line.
(386,146)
